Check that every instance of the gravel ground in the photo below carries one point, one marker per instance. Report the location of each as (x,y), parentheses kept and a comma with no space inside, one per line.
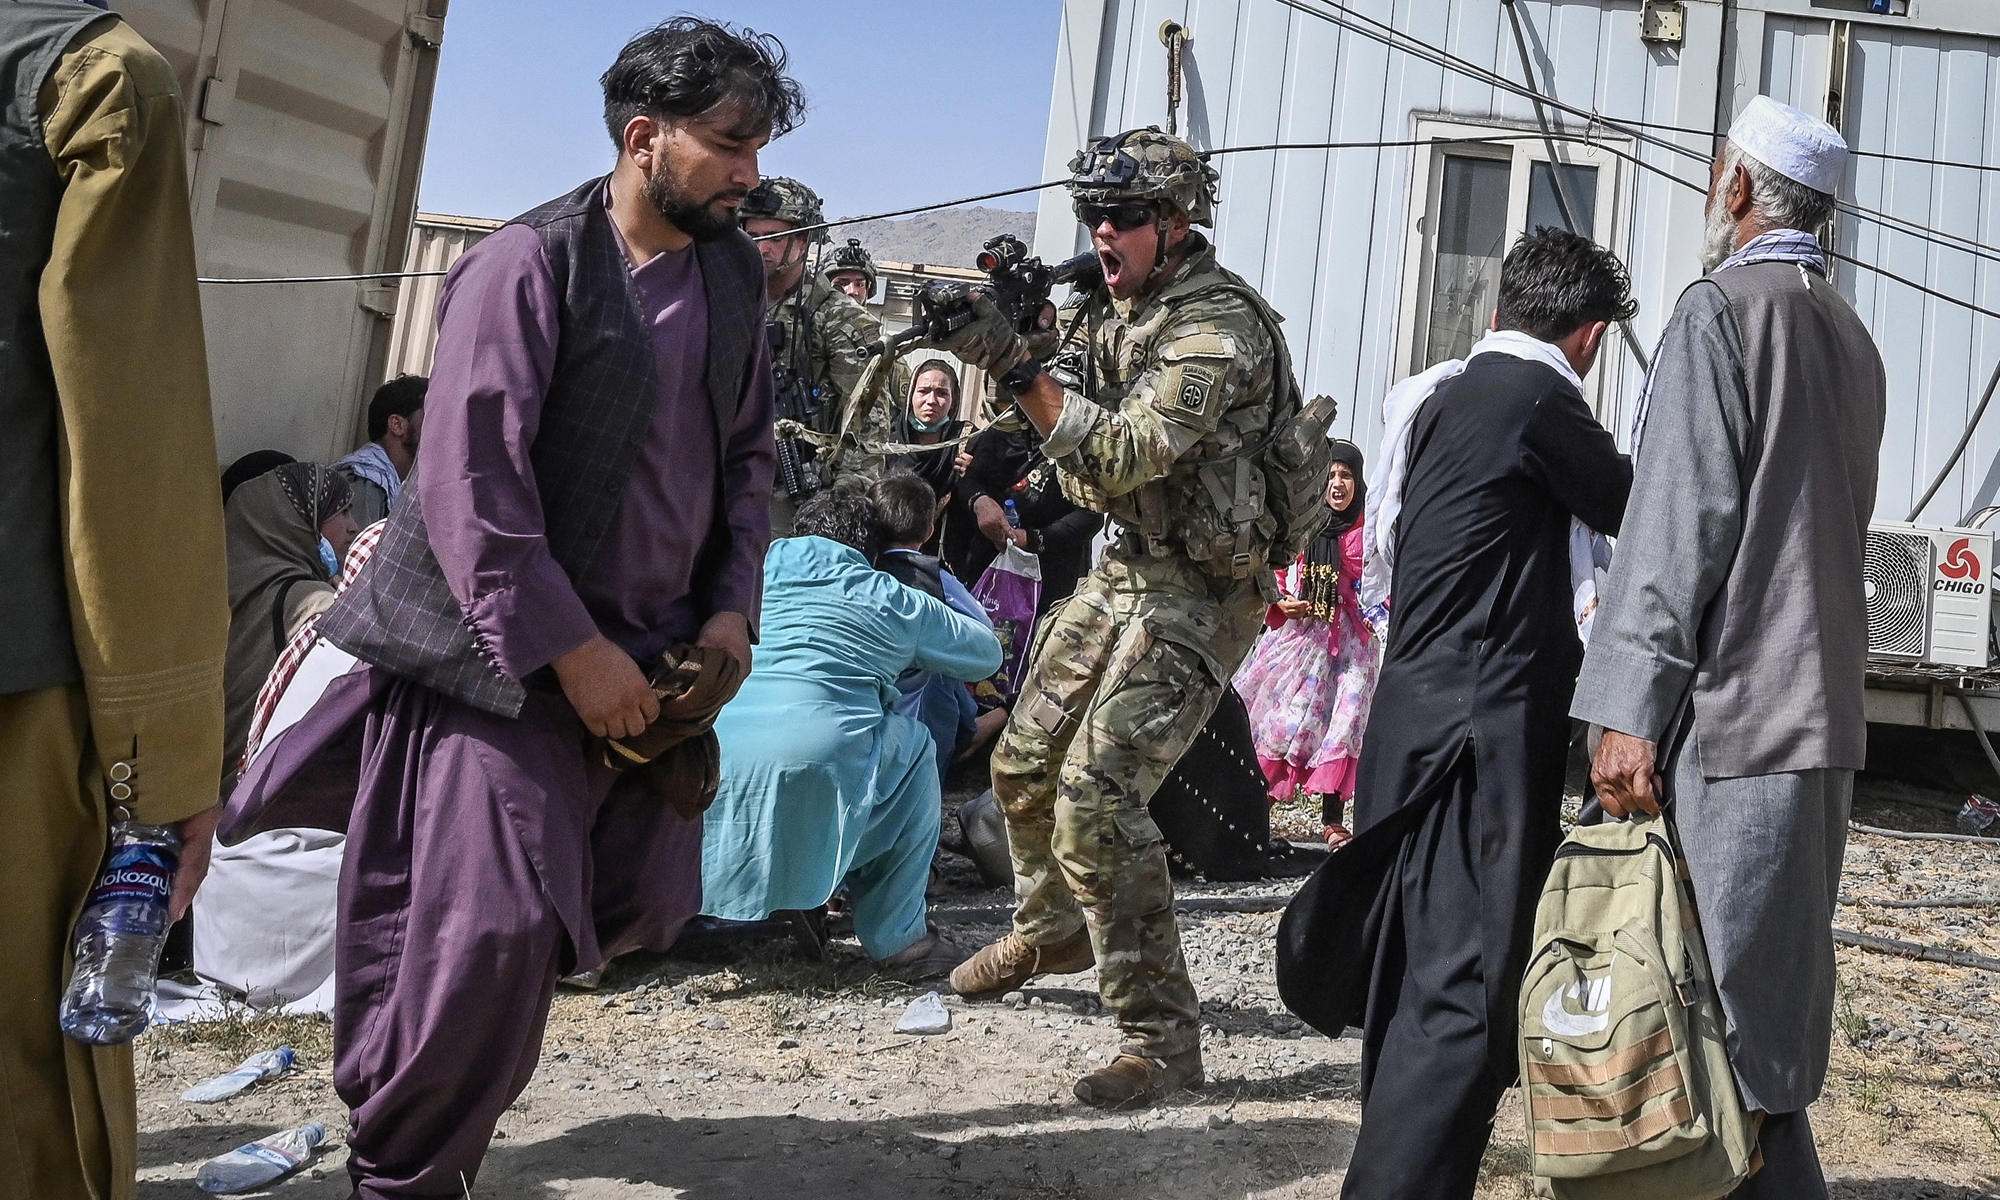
(750,1072)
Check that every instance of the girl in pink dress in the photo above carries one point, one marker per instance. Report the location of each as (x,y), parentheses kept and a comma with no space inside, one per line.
(1310,678)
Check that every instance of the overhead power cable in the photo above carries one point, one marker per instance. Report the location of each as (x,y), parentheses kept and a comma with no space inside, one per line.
(1918,159)
(1395,39)
(921,208)
(1884,272)
(331,278)
(1557,177)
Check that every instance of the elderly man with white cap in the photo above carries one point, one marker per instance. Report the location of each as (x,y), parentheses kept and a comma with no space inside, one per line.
(1726,664)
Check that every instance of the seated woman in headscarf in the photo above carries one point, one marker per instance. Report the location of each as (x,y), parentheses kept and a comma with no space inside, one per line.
(288,530)
(930,418)
(821,782)
(1309,681)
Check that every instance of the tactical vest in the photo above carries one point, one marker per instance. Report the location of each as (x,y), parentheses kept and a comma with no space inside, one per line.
(1211,506)
(792,329)
(399,613)
(37,648)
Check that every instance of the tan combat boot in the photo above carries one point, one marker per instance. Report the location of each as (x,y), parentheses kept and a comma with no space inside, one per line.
(1134,1081)
(1009,963)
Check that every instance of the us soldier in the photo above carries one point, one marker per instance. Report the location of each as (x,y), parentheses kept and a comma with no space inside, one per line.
(1162,432)
(816,332)
(851,269)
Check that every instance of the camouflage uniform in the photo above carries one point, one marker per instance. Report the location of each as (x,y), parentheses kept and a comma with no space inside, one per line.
(815,332)
(1129,668)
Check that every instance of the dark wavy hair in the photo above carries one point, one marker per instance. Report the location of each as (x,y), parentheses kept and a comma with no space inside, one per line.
(688,67)
(1554,281)
(841,514)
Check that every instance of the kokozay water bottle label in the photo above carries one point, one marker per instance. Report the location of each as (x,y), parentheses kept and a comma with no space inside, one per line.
(135,873)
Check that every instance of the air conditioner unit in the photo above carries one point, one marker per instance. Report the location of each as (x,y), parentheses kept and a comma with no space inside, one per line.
(1929,598)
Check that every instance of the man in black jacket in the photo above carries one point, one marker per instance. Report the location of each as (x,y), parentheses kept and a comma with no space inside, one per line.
(1470,726)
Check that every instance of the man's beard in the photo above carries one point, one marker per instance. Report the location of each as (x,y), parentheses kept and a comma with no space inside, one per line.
(698,219)
(1718,237)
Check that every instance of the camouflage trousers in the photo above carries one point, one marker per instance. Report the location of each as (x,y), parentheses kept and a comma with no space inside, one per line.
(1125,673)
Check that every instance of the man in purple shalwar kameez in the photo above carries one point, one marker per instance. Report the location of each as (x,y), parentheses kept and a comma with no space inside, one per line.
(593,487)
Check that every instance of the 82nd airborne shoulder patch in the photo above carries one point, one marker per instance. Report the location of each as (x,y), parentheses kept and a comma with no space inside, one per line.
(1196,384)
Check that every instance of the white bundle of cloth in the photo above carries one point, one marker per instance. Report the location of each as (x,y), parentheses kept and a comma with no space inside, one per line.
(1589,550)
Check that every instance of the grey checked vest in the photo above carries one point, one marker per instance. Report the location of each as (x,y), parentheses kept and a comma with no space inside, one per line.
(400,614)
(37,649)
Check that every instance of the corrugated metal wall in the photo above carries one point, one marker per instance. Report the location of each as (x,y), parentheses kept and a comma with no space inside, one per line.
(1326,234)
(306,126)
(1937,96)
(435,244)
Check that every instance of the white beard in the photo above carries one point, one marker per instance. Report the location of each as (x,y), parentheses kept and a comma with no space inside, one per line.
(1718,238)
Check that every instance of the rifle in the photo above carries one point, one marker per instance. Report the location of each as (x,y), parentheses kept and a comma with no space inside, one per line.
(796,401)
(1018,284)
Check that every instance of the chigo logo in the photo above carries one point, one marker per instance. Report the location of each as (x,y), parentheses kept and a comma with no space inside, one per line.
(1960,569)
(1593,1000)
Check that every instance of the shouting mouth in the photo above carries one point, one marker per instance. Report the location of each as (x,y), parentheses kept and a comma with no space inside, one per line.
(1114,266)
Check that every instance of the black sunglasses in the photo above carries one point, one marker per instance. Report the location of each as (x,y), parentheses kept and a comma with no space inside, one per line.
(1123,217)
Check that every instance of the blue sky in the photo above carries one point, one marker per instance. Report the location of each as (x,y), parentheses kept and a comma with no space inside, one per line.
(913,101)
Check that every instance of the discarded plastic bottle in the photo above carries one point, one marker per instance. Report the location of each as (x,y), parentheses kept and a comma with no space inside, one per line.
(1013,514)
(1978,814)
(118,939)
(268,1065)
(247,1168)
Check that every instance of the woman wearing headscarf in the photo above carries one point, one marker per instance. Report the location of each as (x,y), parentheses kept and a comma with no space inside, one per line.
(930,418)
(1309,681)
(288,530)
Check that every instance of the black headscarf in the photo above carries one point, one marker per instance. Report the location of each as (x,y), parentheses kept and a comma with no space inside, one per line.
(1320,583)
(249,467)
(1326,547)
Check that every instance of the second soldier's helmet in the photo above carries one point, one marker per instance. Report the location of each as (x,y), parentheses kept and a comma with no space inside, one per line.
(782,199)
(1144,164)
(851,257)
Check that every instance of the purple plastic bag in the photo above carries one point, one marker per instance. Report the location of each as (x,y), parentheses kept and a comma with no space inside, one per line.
(1010,590)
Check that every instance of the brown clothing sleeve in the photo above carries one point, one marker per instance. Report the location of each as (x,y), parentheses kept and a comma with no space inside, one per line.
(141,502)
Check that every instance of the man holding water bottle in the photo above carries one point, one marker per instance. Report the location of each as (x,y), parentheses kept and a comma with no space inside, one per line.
(112,608)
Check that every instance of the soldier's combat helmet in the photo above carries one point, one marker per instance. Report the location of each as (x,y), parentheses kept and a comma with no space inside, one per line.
(782,199)
(1144,164)
(851,257)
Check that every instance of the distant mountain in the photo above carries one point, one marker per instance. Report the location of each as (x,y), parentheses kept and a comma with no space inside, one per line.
(950,237)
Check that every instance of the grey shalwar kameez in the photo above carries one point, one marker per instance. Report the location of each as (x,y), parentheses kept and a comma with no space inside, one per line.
(1733,634)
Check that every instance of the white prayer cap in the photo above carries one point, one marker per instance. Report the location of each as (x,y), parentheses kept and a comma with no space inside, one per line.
(1798,146)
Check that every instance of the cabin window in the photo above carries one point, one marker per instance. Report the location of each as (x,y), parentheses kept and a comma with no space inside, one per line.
(1471,201)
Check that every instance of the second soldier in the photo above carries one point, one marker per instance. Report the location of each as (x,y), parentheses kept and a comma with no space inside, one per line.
(816,333)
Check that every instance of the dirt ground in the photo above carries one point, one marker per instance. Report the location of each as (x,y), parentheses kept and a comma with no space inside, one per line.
(750,1072)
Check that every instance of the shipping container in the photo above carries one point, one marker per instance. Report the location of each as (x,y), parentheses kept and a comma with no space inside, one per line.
(435,244)
(306,122)
(1383,260)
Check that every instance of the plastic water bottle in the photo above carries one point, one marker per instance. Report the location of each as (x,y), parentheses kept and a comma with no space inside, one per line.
(1013,514)
(118,940)
(258,1067)
(248,1168)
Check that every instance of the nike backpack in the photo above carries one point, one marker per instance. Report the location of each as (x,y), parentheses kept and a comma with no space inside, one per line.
(1624,1071)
